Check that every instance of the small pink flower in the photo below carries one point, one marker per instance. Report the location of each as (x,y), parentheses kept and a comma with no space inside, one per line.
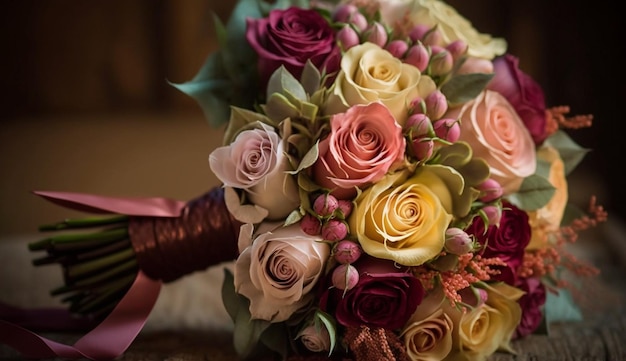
(423,148)
(325,205)
(436,104)
(441,61)
(447,129)
(418,56)
(493,215)
(457,49)
(311,225)
(458,242)
(345,207)
(397,48)
(420,126)
(347,37)
(490,190)
(345,277)
(376,34)
(347,251)
(334,230)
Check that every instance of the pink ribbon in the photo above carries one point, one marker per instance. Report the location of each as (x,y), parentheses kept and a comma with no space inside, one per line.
(116,332)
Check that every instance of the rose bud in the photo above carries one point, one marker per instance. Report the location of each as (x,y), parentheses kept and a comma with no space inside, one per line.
(441,61)
(343,13)
(423,148)
(334,230)
(377,34)
(493,215)
(347,251)
(347,37)
(315,339)
(417,33)
(325,205)
(345,207)
(311,225)
(345,277)
(447,129)
(418,56)
(436,104)
(490,190)
(433,37)
(458,241)
(420,126)
(397,48)
(457,49)
(475,65)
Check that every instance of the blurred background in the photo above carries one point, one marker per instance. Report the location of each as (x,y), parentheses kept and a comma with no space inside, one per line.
(86,105)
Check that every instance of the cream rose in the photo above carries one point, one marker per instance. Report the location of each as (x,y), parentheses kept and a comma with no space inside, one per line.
(547,219)
(256,163)
(488,327)
(495,132)
(427,335)
(314,338)
(452,25)
(404,219)
(277,270)
(371,74)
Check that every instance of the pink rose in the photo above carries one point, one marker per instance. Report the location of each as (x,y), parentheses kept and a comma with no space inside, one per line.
(363,144)
(531,303)
(278,269)
(490,125)
(507,241)
(256,163)
(385,297)
(290,37)
(524,94)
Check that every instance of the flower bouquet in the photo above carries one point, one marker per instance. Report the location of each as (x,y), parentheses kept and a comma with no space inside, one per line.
(394,188)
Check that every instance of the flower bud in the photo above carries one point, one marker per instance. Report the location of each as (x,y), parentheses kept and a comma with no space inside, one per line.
(376,34)
(420,126)
(311,225)
(458,241)
(493,215)
(397,48)
(325,205)
(490,190)
(315,339)
(345,277)
(447,129)
(343,13)
(347,37)
(475,65)
(433,37)
(417,32)
(423,148)
(436,104)
(441,61)
(334,230)
(418,56)
(347,251)
(345,207)
(457,49)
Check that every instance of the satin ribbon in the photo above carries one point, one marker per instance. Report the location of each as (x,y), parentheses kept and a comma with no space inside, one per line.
(117,331)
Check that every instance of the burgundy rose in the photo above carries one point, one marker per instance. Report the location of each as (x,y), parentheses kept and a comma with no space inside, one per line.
(523,92)
(507,242)
(532,303)
(385,296)
(290,37)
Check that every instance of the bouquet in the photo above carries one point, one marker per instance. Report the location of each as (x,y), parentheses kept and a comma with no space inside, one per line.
(394,187)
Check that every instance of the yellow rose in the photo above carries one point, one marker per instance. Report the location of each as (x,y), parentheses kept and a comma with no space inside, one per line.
(404,217)
(547,219)
(452,25)
(371,74)
(487,328)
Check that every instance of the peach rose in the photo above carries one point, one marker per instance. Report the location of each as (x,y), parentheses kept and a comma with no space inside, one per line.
(495,132)
(371,74)
(278,269)
(405,219)
(547,219)
(363,144)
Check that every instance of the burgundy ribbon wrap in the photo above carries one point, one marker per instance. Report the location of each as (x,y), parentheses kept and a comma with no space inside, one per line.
(170,239)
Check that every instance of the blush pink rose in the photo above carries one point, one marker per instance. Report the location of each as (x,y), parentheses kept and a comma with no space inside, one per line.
(495,132)
(363,144)
(524,94)
(290,37)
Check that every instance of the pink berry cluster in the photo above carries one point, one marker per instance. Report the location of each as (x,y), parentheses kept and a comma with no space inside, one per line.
(328,221)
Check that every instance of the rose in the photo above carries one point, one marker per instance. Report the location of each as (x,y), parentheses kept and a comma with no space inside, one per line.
(291,37)
(524,94)
(315,339)
(371,74)
(547,219)
(256,163)
(405,219)
(486,328)
(385,296)
(531,304)
(363,144)
(492,128)
(506,241)
(452,25)
(427,335)
(277,270)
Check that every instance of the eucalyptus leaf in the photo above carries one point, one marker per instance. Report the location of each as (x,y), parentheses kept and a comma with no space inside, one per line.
(283,82)
(571,213)
(534,193)
(309,158)
(278,107)
(329,323)
(310,78)
(571,153)
(465,87)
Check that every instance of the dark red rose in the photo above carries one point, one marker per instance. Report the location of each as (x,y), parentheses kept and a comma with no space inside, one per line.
(507,242)
(290,37)
(385,296)
(524,94)
(532,306)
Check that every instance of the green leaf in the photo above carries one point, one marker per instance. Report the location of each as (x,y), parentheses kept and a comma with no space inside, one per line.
(309,158)
(572,212)
(275,339)
(310,78)
(535,192)
(571,153)
(465,87)
(283,82)
(329,323)
(278,108)
(561,307)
